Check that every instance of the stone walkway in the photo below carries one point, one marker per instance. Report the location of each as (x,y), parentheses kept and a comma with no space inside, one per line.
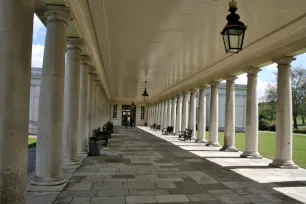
(138,167)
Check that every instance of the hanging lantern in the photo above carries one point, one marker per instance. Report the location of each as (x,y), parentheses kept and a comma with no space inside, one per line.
(233,32)
(132,105)
(145,95)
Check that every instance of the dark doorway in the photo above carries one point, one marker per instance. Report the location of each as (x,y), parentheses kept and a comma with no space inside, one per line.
(127,113)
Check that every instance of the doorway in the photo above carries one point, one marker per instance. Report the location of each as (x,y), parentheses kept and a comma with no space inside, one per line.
(128,113)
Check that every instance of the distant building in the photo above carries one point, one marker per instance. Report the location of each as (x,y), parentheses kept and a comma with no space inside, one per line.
(34,99)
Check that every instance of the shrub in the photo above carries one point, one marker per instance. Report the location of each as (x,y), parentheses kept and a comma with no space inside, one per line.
(273,127)
(264,124)
(300,131)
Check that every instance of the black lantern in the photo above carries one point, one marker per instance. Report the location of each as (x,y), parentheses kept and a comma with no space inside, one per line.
(132,105)
(145,95)
(233,32)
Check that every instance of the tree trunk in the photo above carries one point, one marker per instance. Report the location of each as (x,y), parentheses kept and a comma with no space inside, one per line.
(295,126)
(303,119)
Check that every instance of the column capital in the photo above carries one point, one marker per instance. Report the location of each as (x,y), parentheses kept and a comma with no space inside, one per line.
(214,83)
(85,59)
(285,60)
(230,79)
(91,70)
(203,86)
(193,90)
(74,43)
(57,14)
(185,93)
(252,70)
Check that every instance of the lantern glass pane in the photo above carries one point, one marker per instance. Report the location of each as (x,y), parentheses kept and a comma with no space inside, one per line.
(226,42)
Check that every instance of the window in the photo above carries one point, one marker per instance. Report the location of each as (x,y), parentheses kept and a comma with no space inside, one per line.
(142,113)
(115,111)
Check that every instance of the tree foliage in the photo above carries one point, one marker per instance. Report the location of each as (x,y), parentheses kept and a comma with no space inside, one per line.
(298,84)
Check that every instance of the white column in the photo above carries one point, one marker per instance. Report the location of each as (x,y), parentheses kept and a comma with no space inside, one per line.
(162,112)
(16,24)
(192,112)
(283,153)
(179,99)
(185,111)
(158,113)
(71,103)
(173,115)
(82,133)
(99,123)
(93,107)
(165,114)
(169,112)
(214,116)
(49,176)
(251,129)
(229,119)
(90,102)
(202,116)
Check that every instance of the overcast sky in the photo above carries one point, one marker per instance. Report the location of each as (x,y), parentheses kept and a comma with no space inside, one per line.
(265,76)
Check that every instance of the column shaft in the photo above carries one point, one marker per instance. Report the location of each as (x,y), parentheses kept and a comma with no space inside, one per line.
(251,129)
(283,154)
(202,116)
(165,114)
(50,116)
(179,111)
(82,135)
(214,117)
(229,129)
(90,103)
(71,104)
(192,112)
(16,25)
(93,108)
(185,111)
(173,115)
(169,112)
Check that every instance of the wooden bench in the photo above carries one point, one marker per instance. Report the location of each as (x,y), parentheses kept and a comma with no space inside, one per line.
(100,135)
(187,134)
(168,130)
(152,127)
(157,127)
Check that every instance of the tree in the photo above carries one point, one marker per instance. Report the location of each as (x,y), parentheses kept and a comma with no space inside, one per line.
(298,84)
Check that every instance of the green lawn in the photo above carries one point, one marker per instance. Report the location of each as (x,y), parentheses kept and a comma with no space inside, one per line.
(31,142)
(266,145)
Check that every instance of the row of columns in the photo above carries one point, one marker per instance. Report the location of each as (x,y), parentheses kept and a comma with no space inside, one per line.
(183,115)
(72,102)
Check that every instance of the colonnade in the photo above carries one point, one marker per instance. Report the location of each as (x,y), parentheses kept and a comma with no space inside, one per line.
(185,114)
(72,101)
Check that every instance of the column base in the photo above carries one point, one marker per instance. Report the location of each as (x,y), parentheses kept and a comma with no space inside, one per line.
(83,151)
(251,155)
(71,164)
(213,144)
(200,141)
(43,184)
(283,164)
(226,148)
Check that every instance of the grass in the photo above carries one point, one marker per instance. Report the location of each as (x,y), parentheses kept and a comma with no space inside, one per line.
(266,145)
(31,142)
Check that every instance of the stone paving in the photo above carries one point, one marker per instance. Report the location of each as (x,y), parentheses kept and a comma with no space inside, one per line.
(140,167)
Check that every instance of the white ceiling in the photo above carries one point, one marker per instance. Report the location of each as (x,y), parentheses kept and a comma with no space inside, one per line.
(175,44)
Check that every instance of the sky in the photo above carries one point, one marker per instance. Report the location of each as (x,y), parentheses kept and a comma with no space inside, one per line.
(265,76)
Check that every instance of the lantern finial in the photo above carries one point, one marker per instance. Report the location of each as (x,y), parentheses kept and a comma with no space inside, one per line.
(233,4)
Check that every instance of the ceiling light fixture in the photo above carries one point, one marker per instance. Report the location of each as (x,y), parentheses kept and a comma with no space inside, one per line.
(145,95)
(234,30)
